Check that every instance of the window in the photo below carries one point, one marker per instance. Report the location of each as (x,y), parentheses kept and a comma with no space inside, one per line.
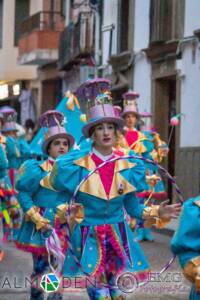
(166,20)
(21,13)
(1,23)
(123,25)
(63,8)
(52,5)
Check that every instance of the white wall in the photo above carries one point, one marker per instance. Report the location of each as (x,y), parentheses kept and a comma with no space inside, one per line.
(190,98)
(192,16)
(10,70)
(67,13)
(110,15)
(142,67)
(142,82)
(36,6)
(189,70)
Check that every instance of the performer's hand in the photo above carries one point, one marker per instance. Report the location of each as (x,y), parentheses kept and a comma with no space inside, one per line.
(76,215)
(197,278)
(46,227)
(42,224)
(62,213)
(40,221)
(192,272)
(77,212)
(171,211)
(164,151)
(197,283)
(13,211)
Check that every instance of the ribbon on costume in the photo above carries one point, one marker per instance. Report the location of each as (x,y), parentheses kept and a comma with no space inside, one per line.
(53,247)
(72,101)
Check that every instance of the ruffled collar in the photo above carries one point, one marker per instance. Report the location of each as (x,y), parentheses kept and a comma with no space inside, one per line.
(101,156)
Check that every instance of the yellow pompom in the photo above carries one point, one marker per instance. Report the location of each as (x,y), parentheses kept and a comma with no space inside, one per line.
(83,118)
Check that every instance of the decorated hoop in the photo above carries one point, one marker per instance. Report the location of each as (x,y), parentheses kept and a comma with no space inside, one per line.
(172,180)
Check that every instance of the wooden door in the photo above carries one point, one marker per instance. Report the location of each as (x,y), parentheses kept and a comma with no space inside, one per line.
(164,108)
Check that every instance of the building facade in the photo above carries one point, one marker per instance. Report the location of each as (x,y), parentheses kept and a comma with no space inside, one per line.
(12,75)
(38,47)
(153,48)
(29,40)
(79,44)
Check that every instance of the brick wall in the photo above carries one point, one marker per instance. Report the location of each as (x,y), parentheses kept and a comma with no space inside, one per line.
(39,40)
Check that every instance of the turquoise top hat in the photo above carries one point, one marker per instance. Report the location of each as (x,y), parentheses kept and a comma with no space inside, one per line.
(52,120)
(100,108)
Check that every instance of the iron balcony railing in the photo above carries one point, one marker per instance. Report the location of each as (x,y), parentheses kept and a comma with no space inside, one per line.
(43,20)
(76,40)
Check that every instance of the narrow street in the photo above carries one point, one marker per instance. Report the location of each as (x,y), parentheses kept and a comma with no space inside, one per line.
(169,286)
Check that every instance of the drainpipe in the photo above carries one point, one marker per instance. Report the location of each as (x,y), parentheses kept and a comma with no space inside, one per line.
(97,41)
(52,9)
(67,13)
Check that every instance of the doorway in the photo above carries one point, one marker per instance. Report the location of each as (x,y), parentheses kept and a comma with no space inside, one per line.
(51,94)
(165,108)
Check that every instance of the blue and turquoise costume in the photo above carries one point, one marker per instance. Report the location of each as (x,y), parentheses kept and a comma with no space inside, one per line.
(33,197)
(32,194)
(101,238)
(9,201)
(186,244)
(3,163)
(156,189)
(143,146)
(5,187)
(13,153)
(24,149)
(41,204)
(18,151)
(12,148)
(152,153)
(3,167)
(14,162)
(103,214)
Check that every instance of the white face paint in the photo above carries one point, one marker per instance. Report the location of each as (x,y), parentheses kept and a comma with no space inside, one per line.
(104,137)
(58,147)
(130,120)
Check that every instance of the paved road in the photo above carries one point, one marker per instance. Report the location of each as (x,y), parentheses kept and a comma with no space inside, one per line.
(17,266)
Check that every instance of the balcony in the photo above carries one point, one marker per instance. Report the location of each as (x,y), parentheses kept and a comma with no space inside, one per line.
(76,41)
(39,40)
